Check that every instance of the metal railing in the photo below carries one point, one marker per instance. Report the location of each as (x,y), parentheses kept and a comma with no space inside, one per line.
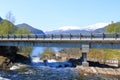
(80,36)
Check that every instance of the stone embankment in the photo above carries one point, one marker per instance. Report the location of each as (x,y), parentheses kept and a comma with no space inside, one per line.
(97,70)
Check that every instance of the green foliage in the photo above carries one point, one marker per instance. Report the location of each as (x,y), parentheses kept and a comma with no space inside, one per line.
(22,31)
(24,50)
(113,28)
(104,54)
(6,27)
(48,53)
(71,52)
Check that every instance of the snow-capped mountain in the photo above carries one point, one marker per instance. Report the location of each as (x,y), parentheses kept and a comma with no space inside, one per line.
(65,28)
(95,26)
(98,27)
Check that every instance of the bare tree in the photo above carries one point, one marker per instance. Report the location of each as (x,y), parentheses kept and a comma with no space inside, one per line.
(10,17)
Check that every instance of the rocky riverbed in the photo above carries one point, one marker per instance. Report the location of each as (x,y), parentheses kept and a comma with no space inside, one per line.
(97,70)
(41,73)
(26,72)
(108,73)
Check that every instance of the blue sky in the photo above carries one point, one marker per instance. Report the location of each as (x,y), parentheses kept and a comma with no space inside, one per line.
(52,14)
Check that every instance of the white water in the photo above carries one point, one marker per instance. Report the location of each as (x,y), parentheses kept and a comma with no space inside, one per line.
(1,78)
(38,50)
(50,63)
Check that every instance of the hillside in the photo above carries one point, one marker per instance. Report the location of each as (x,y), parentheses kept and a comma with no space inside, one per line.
(30,28)
(113,27)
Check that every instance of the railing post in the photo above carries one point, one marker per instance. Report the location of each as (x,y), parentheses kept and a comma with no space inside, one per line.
(80,36)
(70,36)
(60,36)
(8,36)
(91,36)
(21,36)
(51,36)
(28,36)
(35,36)
(116,36)
(14,36)
(43,36)
(2,36)
(103,36)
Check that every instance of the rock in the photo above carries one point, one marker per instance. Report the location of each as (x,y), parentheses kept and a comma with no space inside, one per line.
(97,70)
(8,56)
(74,62)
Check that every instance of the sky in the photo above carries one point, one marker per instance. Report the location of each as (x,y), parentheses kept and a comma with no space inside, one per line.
(51,14)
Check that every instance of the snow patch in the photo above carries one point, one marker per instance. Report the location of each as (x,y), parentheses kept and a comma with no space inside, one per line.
(87,28)
(95,26)
(65,28)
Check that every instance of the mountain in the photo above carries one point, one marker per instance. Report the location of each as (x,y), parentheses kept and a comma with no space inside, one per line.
(30,28)
(95,28)
(1,19)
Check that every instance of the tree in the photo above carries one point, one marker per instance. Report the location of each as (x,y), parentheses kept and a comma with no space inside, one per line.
(10,17)
(6,27)
(24,50)
(48,53)
(71,52)
(23,30)
(111,28)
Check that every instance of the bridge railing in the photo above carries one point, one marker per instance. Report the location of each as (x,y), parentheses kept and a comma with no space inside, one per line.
(62,36)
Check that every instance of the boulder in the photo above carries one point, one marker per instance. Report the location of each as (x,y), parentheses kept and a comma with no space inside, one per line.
(8,56)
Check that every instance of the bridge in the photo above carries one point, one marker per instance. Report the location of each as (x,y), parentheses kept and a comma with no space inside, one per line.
(98,40)
(83,41)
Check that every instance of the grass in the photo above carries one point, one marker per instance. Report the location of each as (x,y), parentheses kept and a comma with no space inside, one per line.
(109,54)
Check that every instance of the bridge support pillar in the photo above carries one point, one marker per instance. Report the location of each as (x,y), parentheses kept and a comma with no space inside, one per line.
(118,63)
(84,60)
(85,50)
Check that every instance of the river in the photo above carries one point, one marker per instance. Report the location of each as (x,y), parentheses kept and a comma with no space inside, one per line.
(39,71)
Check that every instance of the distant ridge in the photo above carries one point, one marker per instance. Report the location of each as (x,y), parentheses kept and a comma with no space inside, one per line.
(30,28)
(95,28)
(1,19)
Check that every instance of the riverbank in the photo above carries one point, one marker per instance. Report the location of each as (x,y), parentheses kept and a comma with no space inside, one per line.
(98,71)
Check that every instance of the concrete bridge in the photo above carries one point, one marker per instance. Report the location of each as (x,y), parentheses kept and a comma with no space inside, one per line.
(83,41)
(101,40)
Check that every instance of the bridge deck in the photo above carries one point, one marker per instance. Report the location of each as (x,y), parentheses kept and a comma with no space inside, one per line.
(62,40)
